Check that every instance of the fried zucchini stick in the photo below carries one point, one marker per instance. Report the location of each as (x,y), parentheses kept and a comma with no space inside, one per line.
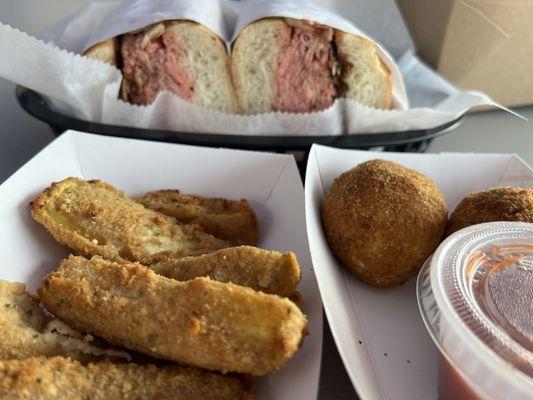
(208,324)
(234,221)
(60,378)
(94,218)
(26,331)
(268,271)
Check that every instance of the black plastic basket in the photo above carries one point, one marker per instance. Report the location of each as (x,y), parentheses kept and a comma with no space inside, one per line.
(407,141)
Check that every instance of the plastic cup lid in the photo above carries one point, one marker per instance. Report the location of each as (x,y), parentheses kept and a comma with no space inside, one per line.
(478,289)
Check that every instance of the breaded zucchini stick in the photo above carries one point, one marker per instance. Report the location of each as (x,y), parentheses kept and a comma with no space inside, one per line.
(26,331)
(231,220)
(208,324)
(264,270)
(94,218)
(60,378)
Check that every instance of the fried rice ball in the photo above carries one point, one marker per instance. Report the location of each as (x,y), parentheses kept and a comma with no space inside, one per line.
(383,221)
(498,204)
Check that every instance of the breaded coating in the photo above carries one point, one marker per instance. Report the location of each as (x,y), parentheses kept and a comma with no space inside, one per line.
(94,218)
(268,271)
(208,324)
(26,331)
(383,221)
(60,378)
(498,204)
(233,221)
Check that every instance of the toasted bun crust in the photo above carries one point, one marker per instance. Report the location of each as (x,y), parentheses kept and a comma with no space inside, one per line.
(365,77)
(105,51)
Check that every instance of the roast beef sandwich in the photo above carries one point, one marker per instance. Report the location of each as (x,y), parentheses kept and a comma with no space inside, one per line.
(283,64)
(179,56)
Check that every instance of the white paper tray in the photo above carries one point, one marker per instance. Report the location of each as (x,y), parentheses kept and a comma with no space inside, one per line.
(379,332)
(269,181)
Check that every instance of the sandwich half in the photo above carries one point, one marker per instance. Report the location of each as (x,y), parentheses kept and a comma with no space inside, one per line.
(288,65)
(180,56)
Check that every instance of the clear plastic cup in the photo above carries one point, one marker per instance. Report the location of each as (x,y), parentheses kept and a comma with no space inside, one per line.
(476,299)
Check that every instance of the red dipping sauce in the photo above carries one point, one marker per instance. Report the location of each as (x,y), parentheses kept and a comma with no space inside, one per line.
(476,299)
(452,386)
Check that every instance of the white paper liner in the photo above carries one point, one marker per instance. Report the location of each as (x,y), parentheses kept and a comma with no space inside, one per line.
(89,89)
(131,15)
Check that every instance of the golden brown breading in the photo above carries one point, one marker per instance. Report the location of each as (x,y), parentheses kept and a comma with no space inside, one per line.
(383,221)
(234,221)
(26,331)
(268,271)
(94,218)
(217,326)
(498,204)
(60,378)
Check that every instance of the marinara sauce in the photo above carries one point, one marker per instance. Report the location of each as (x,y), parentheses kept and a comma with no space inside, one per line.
(476,299)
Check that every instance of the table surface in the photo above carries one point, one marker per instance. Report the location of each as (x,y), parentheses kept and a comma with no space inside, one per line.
(21,137)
